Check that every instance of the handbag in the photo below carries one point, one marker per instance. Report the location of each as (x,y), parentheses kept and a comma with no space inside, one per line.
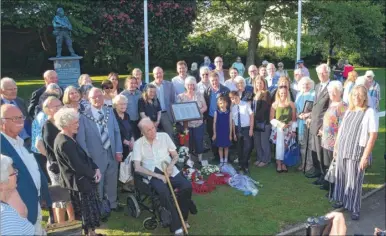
(105,208)
(125,170)
(259,126)
(292,154)
(330,175)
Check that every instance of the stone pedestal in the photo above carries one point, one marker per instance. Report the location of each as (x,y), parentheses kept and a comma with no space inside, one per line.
(68,70)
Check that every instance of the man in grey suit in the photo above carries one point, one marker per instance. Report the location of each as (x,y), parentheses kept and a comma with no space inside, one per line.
(320,106)
(166,96)
(99,136)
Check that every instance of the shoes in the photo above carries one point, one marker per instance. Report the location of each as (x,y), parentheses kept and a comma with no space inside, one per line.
(179,232)
(317,182)
(117,209)
(355,215)
(324,186)
(337,205)
(187,225)
(312,175)
(236,160)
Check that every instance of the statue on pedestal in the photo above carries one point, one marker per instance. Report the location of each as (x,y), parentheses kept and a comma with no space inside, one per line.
(62,29)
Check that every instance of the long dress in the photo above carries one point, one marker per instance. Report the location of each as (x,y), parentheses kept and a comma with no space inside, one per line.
(222,129)
(349,179)
(281,136)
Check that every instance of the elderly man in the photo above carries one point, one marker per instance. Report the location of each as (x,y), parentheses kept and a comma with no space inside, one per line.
(321,104)
(219,69)
(100,137)
(31,182)
(304,69)
(50,77)
(133,95)
(252,72)
(211,94)
(137,73)
(8,93)
(297,76)
(272,77)
(166,96)
(155,155)
(374,89)
(179,80)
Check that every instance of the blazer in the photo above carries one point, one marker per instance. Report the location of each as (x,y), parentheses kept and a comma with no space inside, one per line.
(224,92)
(23,108)
(125,130)
(25,184)
(89,138)
(319,107)
(169,96)
(34,101)
(77,170)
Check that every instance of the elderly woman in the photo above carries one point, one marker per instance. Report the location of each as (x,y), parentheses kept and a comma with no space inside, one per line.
(349,85)
(107,91)
(13,210)
(331,122)
(149,106)
(230,83)
(261,106)
(196,127)
(204,84)
(78,172)
(114,78)
(284,82)
(71,98)
(51,90)
(281,72)
(84,79)
(120,105)
(306,93)
(283,120)
(49,132)
(355,140)
(245,91)
(84,102)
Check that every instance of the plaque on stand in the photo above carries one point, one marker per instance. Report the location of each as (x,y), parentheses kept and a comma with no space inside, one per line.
(186,111)
(68,69)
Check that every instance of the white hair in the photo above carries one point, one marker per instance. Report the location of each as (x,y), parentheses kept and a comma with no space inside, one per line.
(335,84)
(240,79)
(204,69)
(194,66)
(304,80)
(190,80)
(5,80)
(361,80)
(64,117)
(118,98)
(143,122)
(271,64)
(5,163)
(298,71)
(47,73)
(320,67)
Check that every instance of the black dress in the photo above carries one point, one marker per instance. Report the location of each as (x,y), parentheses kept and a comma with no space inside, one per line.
(150,109)
(125,130)
(77,171)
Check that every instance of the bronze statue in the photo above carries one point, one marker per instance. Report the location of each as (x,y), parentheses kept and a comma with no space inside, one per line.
(62,29)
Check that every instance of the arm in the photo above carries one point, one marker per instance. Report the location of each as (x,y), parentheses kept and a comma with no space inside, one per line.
(272,112)
(203,103)
(293,112)
(40,147)
(33,103)
(117,134)
(141,108)
(68,151)
(81,135)
(48,138)
(214,126)
(231,129)
(251,123)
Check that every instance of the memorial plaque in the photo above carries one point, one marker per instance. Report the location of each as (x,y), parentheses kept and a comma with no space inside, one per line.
(307,106)
(68,70)
(186,111)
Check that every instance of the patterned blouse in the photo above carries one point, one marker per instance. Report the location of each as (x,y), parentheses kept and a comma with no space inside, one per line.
(37,127)
(331,121)
(199,98)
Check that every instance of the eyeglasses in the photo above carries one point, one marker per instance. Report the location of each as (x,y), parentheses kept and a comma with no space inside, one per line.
(15,173)
(14,119)
(283,86)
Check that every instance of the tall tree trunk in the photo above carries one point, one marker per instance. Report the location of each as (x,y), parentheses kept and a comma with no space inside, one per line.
(252,42)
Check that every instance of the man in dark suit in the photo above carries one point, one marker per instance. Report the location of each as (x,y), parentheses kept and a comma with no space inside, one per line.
(50,76)
(31,182)
(320,106)
(211,94)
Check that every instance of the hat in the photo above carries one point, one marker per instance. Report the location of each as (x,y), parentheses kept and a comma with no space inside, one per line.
(369,73)
(299,61)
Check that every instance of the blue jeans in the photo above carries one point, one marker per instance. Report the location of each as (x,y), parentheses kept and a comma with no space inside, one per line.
(196,139)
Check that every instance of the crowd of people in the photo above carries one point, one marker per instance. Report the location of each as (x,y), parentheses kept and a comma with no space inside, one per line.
(75,138)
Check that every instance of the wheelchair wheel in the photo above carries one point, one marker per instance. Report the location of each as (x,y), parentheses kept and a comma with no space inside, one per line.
(150,223)
(133,207)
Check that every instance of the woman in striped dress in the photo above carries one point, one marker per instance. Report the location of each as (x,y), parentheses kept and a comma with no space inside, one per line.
(354,143)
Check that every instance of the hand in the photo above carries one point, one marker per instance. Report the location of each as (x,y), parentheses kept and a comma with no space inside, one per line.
(235,137)
(250,132)
(126,142)
(230,137)
(156,124)
(376,231)
(97,176)
(308,122)
(320,133)
(363,164)
(301,116)
(169,170)
(161,177)
(214,137)
(131,144)
(118,157)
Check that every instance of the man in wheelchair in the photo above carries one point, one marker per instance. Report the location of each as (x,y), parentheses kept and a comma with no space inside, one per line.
(151,155)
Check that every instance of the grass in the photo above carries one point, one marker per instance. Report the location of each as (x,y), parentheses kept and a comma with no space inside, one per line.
(285,199)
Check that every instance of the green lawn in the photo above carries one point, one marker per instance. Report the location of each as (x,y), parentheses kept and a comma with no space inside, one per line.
(284,200)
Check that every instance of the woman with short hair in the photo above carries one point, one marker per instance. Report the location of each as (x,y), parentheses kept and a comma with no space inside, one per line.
(114,78)
(349,85)
(195,127)
(204,83)
(245,91)
(84,79)
(355,141)
(78,171)
(107,91)
(71,98)
(149,105)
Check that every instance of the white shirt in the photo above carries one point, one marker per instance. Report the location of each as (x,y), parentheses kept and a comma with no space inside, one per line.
(201,87)
(269,80)
(154,155)
(28,159)
(245,112)
(179,85)
(231,84)
(95,114)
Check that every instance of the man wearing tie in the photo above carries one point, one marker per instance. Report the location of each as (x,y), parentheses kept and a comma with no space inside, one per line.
(100,137)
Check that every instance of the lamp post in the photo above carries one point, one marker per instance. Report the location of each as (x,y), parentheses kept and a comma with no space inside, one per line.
(299,30)
(146,41)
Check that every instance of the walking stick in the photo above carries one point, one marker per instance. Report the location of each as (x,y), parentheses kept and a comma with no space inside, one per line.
(306,157)
(175,200)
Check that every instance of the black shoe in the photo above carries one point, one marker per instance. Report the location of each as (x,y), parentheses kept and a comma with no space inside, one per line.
(117,209)
(317,182)
(323,187)
(312,175)
(337,205)
(355,216)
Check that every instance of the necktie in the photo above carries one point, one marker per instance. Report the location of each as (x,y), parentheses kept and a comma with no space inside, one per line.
(238,120)
(104,133)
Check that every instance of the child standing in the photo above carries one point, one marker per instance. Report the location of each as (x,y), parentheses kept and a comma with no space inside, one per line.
(222,127)
(242,123)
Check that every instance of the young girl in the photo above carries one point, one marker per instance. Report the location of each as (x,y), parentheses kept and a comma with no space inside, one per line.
(222,127)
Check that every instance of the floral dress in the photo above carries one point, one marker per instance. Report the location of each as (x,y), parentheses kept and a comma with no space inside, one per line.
(331,121)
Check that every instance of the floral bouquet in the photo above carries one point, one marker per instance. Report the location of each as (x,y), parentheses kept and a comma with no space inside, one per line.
(183,154)
(183,138)
(209,169)
(192,174)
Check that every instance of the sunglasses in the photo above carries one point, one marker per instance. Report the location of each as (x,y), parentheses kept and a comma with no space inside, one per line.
(108,87)
(15,173)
